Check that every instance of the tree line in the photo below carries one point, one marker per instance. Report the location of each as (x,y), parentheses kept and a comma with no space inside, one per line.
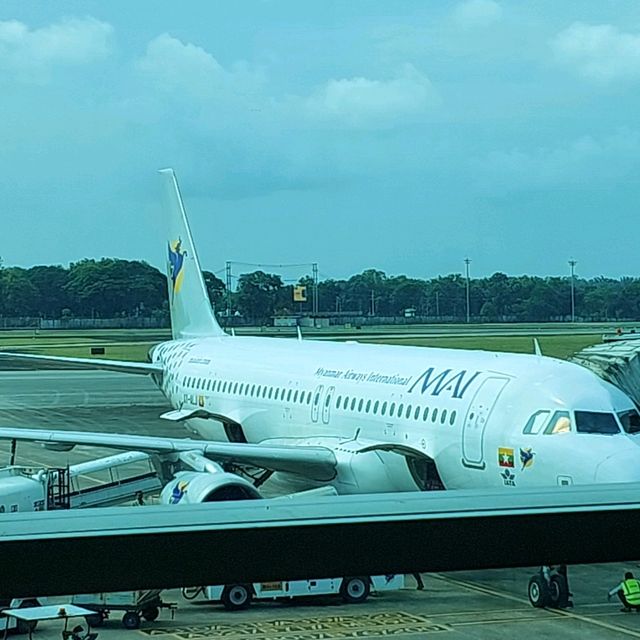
(110,288)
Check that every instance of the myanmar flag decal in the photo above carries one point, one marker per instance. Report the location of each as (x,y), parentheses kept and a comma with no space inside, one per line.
(505,457)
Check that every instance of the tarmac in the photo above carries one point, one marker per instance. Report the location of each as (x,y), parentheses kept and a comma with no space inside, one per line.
(483,604)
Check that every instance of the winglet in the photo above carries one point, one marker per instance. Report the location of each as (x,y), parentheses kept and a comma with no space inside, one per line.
(536,347)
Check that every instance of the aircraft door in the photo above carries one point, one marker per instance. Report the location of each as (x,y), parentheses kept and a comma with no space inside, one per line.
(475,422)
(315,403)
(326,405)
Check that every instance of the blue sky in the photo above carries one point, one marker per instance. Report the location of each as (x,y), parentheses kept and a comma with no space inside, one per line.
(402,136)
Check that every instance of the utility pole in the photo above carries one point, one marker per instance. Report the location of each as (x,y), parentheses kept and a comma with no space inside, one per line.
(438,305)
(228,274)
(373,303)
(467,262)
(572,264)
(315,288)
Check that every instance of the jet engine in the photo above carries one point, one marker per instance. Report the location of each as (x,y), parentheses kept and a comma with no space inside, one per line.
(193,487)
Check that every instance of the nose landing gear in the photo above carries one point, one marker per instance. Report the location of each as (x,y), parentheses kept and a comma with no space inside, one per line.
(549,587)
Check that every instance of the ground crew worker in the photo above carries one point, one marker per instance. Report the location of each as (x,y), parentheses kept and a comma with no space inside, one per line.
(628,591)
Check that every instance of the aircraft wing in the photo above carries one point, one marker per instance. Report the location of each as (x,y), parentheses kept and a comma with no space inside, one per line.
(315,462)
(62,362)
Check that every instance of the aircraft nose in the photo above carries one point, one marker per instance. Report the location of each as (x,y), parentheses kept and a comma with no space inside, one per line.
(620,467)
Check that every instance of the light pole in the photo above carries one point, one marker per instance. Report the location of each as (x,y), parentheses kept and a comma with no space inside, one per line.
(572,264)
(467,262)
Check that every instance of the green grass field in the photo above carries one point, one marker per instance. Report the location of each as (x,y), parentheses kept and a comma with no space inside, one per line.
(135,345)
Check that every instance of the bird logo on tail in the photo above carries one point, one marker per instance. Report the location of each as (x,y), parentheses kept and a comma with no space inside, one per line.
(176,264)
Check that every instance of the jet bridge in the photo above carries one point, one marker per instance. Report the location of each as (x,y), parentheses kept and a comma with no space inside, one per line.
(616,362)
(263,540)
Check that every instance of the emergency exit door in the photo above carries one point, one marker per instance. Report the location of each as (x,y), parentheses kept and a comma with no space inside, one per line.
(475,422)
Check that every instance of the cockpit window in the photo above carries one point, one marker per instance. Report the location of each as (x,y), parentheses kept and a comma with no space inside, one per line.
(536,422)
(596,422)
(630,421)
(560,423)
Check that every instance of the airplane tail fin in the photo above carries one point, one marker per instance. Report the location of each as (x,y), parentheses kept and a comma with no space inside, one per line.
(191,312)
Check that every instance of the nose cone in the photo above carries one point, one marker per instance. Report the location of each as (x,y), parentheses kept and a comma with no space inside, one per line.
(620,467)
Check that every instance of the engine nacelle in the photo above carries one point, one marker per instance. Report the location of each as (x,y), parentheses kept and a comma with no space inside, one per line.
(192,487)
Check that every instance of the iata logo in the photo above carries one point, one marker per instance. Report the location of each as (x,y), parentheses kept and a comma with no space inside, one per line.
(176,264)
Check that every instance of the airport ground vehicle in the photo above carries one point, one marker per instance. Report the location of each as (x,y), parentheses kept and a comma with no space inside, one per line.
(25,618)
(352,590)
(135,605)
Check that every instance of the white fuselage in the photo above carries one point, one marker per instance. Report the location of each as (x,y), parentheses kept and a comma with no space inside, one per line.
(485,419)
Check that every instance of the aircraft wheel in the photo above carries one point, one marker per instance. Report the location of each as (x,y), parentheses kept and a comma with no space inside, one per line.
(150,613)
(558,591)
(538,592)
(131,620)
(95,620)
(236,596)
(354,590)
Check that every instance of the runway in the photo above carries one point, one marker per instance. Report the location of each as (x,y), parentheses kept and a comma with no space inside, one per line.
(487,604)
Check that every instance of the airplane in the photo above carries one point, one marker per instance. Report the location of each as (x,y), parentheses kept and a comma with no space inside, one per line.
(361,418)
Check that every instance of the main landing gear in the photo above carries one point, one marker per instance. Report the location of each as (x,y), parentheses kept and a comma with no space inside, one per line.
(549,587)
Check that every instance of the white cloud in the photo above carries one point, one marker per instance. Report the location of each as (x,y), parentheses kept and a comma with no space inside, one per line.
(477,13)
(361,101)
(177,66)
(600,52)
(583,161)
(31,53)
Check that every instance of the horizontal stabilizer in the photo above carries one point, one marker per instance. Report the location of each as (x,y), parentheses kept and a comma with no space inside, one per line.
(178,415)
(36,361)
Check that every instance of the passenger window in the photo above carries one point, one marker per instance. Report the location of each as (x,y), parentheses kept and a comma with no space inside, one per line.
(368,407)
(264,391)
(360,404)
(375,406)
(295,396)
(384,408)
(289,395)
(276,393)
(536,422)
(345,404)
(235,387)
(253,389)
(338,402)
(443,416)
(452,418)
(425,415)
(400,408)
(408,412)
(308,397)
(392,408)
(353,404)
(560,423)
(224,387)
(416,415)
(270,392)
(434,415)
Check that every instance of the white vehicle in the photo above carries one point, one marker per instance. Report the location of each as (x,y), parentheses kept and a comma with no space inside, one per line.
(362,418)
(28,489)
(352,590)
